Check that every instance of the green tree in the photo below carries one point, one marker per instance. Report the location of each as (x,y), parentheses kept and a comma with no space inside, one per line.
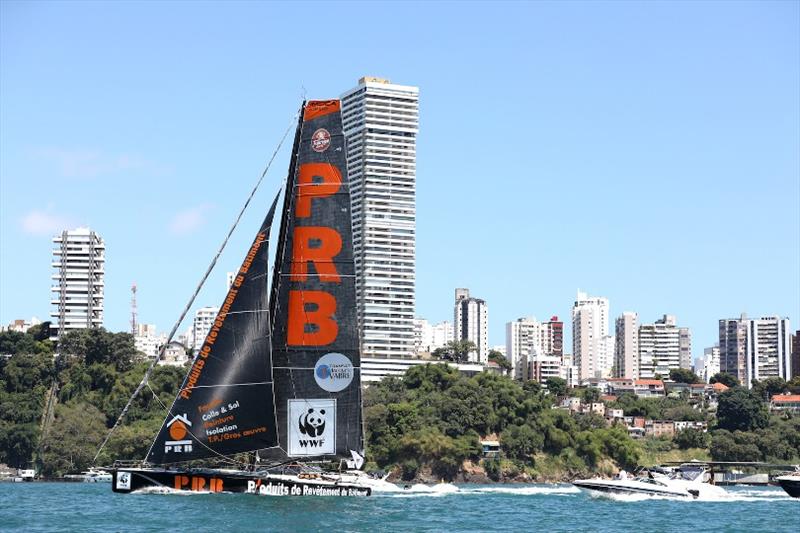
(521,442)
(73,438)
(500,359)
(741,409)
(726,379)
(692,438)
(17,443)
(457,351)
(683,375)
(557,386)
(769,387)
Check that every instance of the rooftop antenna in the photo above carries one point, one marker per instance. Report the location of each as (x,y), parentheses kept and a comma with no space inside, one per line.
(133,310)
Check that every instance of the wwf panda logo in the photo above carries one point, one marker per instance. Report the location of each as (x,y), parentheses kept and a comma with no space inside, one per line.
(312,422)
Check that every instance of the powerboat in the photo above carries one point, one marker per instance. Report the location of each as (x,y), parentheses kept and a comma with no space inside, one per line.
(791,482)
(691,483)
(94,475)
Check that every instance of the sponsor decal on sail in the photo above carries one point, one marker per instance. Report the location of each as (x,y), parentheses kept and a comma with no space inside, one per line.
(333,372)
(320,140)
(312,427)
(178,430)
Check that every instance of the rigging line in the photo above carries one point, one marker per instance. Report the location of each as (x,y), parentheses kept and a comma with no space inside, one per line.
(197,290)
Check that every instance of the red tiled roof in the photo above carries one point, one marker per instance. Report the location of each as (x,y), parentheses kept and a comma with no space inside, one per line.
(649,382)
(786,398)
(608,398)
(720,387)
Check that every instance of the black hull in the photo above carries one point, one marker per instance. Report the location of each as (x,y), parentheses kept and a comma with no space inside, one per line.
(127,480)
(791,486)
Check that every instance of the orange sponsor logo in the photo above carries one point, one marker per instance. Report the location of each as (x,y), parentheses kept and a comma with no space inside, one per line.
(197,483)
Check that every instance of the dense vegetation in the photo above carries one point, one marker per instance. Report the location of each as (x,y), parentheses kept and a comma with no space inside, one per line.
(427,423)
(87,387)
(431,420)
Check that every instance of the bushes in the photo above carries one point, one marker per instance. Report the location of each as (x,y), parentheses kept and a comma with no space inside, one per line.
(692,438)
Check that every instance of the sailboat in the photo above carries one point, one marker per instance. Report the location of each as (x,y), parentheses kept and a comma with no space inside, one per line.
(278,375)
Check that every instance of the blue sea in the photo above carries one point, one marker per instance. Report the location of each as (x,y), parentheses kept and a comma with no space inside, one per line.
(85,507)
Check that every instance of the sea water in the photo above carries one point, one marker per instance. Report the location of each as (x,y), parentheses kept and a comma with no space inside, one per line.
(90,507)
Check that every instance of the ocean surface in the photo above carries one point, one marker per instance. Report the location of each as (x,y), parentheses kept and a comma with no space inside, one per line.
(33,507)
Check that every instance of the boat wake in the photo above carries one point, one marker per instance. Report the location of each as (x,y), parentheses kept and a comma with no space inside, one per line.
(170,491)
(420,490)
(526,491)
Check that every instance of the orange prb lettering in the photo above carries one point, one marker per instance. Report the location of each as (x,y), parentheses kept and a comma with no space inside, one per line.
(330,244)
(330,179)
(181,481)
(198,483)
(314,308)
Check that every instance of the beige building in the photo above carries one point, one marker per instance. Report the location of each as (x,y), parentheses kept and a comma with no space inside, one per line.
(626,346)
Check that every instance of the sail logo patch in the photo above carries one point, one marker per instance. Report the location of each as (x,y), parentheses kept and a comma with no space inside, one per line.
(178,429)
(312,427)
(320,140)
(333,372)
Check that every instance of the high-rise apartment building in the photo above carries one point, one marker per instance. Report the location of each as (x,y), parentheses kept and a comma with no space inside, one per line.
(796,354)
(428,337)
(755,348)
(203,320)
(523,339)
(590,339)
(626,346)
(553,337)
(79,260)
(527,338)
(662,347)
(709,364)
(471,322)
(380,122)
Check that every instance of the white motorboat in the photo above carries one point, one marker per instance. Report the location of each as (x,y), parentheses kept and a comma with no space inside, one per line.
(689,483)
(94,475)
(790,482)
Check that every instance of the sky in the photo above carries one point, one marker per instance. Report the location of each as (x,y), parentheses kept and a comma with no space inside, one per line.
(645,152)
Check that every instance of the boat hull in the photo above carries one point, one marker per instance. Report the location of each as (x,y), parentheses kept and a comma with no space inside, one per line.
(791,484)
(608,488)
(127,480)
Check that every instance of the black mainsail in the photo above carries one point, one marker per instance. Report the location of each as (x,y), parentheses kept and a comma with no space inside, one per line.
(282,375)
(315,346)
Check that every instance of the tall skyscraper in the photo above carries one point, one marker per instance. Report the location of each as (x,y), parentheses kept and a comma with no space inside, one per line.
(79,259)
(553,337)
(662,347)
(755,348)
(471,322)
(381,122)
(626,346)
(590,339)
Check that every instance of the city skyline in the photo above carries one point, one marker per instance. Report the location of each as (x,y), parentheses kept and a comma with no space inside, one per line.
(637,189)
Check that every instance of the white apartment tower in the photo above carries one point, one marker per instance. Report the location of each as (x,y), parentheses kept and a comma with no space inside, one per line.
(590,339)
(523,340)
(626,346)
(79,260)
(380,122)
(203,320)
(471,322)
(663,346)
(755,348)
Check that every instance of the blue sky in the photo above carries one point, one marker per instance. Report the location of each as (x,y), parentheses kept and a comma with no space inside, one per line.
(645,152)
